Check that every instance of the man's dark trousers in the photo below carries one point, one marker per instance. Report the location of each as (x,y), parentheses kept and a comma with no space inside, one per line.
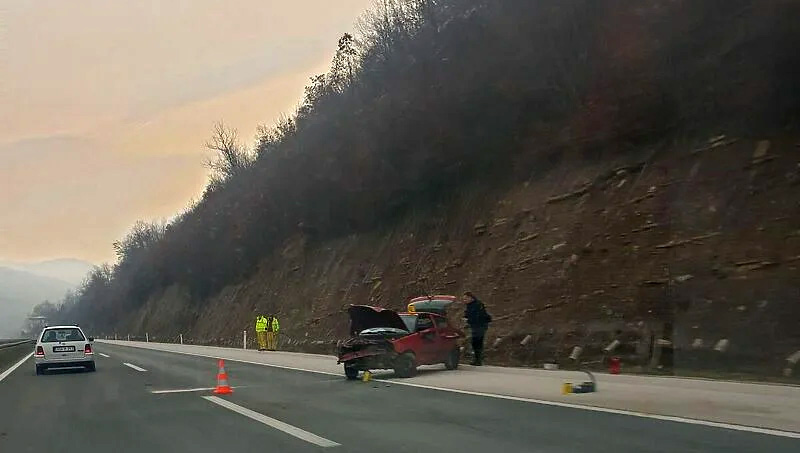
(478,334)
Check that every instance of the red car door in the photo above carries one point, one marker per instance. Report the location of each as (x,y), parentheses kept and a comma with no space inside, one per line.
(429,343)
(447,339)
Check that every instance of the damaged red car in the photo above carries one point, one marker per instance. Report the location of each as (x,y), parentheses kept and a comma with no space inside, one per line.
(385,339)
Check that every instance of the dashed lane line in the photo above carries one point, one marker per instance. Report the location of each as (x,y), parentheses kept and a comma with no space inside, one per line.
(137,368)
(274,423)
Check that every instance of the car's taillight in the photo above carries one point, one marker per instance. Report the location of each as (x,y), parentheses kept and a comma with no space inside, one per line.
(39,351)
(88,349)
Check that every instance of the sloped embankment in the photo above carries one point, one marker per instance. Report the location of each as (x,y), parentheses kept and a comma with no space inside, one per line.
(689,242)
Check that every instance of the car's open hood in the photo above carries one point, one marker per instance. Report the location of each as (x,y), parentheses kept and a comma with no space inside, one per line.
(366,317)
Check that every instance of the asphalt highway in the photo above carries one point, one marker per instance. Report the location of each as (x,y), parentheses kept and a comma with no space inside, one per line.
(155,401)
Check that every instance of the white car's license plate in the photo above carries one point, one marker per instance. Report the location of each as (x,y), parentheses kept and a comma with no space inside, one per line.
(63,348)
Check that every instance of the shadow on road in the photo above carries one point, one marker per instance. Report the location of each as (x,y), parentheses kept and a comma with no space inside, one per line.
(422,371)
(66,370)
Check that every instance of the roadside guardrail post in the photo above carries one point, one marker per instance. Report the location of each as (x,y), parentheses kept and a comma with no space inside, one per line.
(180,335)
(129,337)
(244,341)
(147,337)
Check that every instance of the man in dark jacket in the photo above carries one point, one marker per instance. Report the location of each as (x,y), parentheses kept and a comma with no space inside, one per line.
(478,320)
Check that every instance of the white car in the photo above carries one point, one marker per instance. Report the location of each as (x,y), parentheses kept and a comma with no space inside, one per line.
(63,346)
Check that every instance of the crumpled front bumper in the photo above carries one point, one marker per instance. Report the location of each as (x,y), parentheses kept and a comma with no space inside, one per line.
(364,348)
(347,357)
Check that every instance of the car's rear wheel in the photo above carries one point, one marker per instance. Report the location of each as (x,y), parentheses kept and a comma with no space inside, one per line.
(350,371)
(405,365)
(39,370)
(452,359)
(91,367)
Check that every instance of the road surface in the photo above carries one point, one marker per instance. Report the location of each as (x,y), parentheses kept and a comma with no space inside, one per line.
(147,400)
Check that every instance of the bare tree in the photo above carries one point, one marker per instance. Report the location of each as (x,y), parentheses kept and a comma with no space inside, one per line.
(314,93)
(141,236)
(231,157)
(344,63)
(269,139)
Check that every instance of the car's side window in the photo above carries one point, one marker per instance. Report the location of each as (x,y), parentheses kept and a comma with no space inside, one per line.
(49,336)
(424,322)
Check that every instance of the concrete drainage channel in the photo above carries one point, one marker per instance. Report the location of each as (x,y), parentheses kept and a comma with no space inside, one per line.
(12,351)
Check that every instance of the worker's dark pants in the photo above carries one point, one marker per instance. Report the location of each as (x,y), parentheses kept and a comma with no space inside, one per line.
(478,334)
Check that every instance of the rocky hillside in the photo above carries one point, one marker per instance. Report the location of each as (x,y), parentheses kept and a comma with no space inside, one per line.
(691,242)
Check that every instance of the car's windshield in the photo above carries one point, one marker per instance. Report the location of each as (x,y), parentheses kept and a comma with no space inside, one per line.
(383,331)
(65,334)
(410,321)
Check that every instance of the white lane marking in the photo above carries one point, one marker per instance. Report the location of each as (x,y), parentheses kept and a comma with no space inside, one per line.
(669,418)
(277,424)
(198,389)
(133,366)
(690,421)
(104,355)
(13,367)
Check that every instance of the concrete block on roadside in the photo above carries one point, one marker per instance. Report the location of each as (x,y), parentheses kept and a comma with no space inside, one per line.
(722,345)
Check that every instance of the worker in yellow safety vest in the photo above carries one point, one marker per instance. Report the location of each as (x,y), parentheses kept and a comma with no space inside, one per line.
(272,333)
(261,332)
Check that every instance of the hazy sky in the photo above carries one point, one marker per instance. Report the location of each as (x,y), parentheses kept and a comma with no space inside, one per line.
(105,105)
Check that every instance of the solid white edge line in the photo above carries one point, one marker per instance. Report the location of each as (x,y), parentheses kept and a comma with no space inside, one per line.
(13,367)
(104,355)
(690,421)
(133,366)
(277,424)
(670,418)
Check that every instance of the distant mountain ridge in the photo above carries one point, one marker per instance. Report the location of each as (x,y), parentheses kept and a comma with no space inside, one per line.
(69,270)
(23,285)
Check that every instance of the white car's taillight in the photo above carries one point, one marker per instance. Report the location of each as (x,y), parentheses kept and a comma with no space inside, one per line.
(88,349)
(39,351)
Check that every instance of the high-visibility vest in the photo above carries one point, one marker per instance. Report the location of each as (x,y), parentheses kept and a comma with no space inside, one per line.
(261,324)
(275,325)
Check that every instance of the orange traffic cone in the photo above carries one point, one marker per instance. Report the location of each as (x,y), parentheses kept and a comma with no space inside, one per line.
(222,381)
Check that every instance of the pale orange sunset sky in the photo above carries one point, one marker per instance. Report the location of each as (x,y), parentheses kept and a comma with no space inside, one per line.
(105,105)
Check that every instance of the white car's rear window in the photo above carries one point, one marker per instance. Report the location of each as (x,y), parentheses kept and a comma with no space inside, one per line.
(66,334)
